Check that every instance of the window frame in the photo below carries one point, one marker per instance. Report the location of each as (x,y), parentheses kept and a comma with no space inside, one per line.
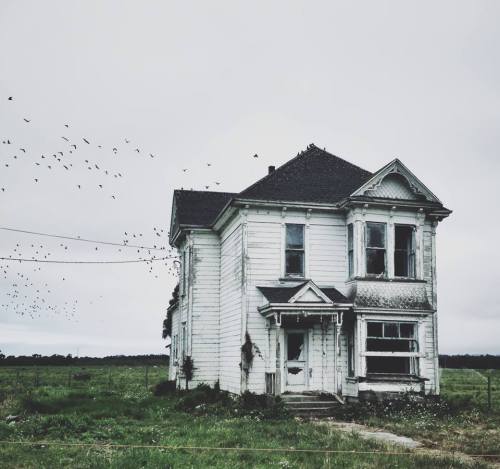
(350,250)
(375,248)
(411,356)
(411,257)
(296,250)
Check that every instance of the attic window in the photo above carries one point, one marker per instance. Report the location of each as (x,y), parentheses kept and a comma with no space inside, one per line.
(294,250)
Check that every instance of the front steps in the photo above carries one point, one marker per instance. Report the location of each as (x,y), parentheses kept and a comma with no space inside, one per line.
(311,405)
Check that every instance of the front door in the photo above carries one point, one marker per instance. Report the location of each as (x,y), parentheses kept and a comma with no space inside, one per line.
(296,366)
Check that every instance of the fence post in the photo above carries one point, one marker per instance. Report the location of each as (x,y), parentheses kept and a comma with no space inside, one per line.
(489,391)
(147,376)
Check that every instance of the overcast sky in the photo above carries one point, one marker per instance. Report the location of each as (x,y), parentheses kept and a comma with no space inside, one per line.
(215,82)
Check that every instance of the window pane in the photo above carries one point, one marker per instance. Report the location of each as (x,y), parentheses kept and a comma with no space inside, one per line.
(351,263)
(399,365)
(295,236)
(401,261)
(294,263)
(349,237)
(374,329)
(391,329)
(390,345)
(407,330)
(295,345)
(403,237)
(375,235)
(375,261)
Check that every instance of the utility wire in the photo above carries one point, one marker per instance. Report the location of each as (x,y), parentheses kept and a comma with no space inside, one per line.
(17,230)
(44,261)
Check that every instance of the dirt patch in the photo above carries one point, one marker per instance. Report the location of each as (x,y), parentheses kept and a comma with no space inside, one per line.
(391,438)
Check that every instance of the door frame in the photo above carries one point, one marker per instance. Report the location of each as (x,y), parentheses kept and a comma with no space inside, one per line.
(305,386)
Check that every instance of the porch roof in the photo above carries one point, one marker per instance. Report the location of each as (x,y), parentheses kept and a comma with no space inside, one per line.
(305,298)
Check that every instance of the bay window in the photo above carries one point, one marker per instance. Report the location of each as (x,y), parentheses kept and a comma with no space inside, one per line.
(391,347)
(375,248)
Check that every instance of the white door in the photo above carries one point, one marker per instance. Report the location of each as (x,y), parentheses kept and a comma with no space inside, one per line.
(296,365)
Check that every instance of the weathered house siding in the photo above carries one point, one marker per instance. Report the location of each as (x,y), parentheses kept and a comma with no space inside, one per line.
(230,318)
(205,281)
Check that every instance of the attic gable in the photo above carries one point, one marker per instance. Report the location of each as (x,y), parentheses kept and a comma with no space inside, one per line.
(395,181)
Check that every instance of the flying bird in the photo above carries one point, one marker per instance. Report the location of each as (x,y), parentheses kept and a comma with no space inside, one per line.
(255,156)
(10,98)
(66,125)
(137,150)
(86,141)
(22,149)
(36,180)
(127,141)
(26,120)
(65,138)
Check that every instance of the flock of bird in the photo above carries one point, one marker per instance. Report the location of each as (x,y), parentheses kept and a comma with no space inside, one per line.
(28,292)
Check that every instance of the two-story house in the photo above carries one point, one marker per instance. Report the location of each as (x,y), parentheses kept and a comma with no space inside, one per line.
(321,276)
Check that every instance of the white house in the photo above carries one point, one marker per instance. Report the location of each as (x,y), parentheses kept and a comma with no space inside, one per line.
(319,277)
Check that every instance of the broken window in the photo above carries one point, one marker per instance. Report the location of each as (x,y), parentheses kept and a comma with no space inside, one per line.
(375,248)
(392,347)
(350,250)
(404,251)
(295,346)
(294,251)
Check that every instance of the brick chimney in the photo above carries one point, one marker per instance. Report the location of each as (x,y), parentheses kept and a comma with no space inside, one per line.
(271,169)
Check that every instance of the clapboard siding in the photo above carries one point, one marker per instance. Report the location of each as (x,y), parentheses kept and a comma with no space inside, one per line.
(205,306)
(230,316)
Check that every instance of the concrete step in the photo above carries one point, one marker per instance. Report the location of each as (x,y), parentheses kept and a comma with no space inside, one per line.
(309,404)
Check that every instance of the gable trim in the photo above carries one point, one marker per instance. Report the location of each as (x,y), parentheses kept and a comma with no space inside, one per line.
(310,286)
(396,167)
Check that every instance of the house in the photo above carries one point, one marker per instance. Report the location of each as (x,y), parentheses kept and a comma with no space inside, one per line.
(321,276)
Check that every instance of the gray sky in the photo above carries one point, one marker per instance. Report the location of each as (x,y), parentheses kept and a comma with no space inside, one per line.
(215,82)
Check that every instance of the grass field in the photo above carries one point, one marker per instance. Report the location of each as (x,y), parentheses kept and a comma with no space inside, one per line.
(115,406)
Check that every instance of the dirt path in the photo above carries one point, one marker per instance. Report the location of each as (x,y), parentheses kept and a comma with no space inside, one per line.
(391,438)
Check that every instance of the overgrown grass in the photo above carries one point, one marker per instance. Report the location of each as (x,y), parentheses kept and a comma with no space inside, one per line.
(132,415)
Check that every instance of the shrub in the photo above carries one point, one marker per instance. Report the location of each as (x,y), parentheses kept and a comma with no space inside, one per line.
(164,388)
(202,394)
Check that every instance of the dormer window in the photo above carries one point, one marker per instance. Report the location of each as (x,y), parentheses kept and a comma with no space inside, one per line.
(375,249)
(294,250)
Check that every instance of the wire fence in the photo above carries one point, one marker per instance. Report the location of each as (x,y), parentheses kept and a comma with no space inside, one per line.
(120,378)
(479,387)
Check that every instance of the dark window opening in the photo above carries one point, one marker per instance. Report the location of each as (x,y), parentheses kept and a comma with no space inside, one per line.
(350,250)
(375,248)
(294,251)
(350,354)
(404,251)
(390,365)
(295,346)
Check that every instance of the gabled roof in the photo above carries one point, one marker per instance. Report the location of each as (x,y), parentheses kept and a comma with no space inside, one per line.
(314,175)
(197,208)
(284,294)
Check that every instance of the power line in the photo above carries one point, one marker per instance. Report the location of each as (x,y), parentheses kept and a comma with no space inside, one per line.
(46,261)
(17,230)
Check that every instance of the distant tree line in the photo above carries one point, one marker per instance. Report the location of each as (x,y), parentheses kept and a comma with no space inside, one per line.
(487,362)
(129,360)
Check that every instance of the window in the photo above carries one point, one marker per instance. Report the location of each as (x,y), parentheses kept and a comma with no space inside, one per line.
(294,251)
(175,354)
(350,354)
(184,342)
(350,250)
(392,347)
(404,251)
(375,248)
(184,272)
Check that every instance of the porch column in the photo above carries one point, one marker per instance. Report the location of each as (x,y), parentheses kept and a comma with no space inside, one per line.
(277,380)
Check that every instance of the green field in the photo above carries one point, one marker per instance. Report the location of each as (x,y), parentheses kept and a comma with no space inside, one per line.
(116,406)
(460,385)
